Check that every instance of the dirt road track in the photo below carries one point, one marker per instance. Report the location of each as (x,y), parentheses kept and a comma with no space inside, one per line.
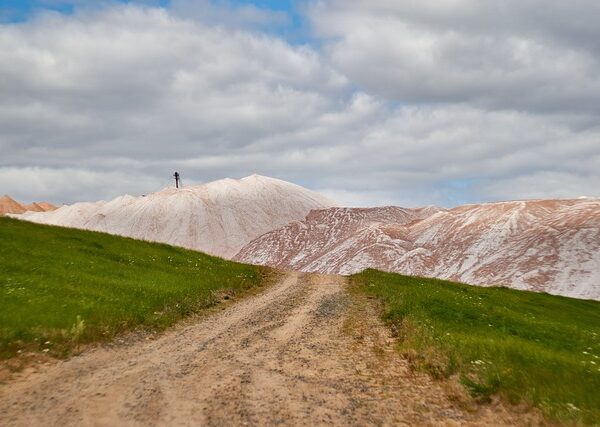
(279,358)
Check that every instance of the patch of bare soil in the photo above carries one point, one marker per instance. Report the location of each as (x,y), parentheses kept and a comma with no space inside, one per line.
(284,357)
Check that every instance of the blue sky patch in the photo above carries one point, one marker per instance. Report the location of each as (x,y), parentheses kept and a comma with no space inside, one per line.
(21,10)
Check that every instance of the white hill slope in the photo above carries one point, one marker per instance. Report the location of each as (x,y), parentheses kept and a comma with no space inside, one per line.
(218,218)
(541,245)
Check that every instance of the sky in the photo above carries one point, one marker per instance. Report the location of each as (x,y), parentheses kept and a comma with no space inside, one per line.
(371,102)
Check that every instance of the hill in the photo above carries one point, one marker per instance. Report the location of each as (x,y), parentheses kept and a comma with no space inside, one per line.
(542,245)
(218,218)
(10,206)
(537,348)
(76,286)
(40,207)
(45,206)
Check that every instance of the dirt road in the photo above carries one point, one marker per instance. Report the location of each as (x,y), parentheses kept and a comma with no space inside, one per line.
(282,357)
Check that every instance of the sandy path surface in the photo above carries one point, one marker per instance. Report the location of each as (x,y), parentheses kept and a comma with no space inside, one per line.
(282,357)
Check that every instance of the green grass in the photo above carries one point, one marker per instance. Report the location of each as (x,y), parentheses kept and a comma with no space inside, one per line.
(67,287)
(528,347)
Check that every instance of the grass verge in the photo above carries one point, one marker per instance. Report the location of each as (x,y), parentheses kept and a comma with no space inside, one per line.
(63,287)
(540,349)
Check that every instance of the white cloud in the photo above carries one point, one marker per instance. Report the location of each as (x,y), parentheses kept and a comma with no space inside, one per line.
(538,185)
(533,55)
(28,184)
(408,103)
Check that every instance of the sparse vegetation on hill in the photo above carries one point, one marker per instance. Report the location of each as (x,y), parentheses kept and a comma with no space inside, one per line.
(60,287)
(528,347)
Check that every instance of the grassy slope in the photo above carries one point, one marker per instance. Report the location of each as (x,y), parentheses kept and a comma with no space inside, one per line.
(537,348)
(69,286)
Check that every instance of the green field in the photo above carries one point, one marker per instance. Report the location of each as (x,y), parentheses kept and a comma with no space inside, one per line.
(61,287)
(528,347)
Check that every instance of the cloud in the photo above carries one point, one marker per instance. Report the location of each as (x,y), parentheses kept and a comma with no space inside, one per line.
(64,185)
(399,103)
(536,55)
(537,185)
(141,82)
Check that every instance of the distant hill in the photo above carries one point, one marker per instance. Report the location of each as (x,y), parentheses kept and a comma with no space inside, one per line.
(45,206)
(39,207)
(541,245)
(218,218)
(10,206)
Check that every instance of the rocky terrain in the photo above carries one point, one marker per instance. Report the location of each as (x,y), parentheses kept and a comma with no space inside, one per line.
(542,245)
(218,218)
